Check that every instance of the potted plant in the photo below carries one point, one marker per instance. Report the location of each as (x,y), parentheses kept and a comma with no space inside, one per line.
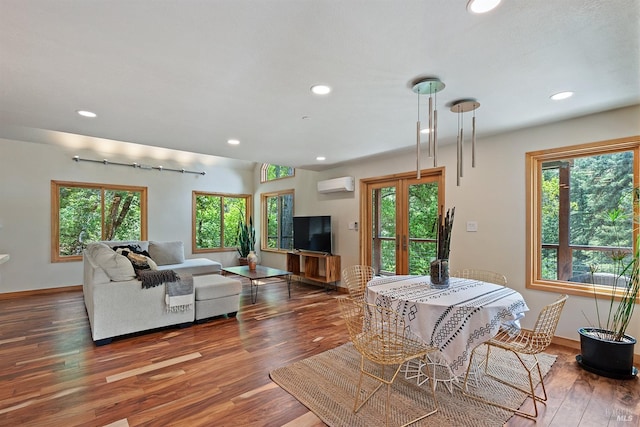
(440,266)
(606,349)
(246,240)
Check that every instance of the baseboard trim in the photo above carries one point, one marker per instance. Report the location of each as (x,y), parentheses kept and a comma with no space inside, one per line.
(22,294)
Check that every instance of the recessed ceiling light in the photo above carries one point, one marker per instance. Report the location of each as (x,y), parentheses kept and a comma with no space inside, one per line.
(482,6)
(320,89)
(321,158)
(233,142)
(85,113)
(561,95)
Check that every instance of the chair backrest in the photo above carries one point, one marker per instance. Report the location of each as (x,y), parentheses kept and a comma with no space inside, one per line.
(546,325)
(355,277)
(378,333)
(482,275)
(351,311)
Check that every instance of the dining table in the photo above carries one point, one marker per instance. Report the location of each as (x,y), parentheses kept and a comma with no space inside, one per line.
(455,319)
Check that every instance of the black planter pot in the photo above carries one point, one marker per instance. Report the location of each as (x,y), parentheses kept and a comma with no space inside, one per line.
(611,359)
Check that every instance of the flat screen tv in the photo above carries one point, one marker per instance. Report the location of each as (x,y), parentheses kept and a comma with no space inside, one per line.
(312,233)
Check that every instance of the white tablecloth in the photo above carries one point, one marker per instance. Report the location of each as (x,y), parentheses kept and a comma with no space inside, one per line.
(456,319)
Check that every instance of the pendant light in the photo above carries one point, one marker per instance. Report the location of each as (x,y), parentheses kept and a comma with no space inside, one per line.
(428,86)
(460,107)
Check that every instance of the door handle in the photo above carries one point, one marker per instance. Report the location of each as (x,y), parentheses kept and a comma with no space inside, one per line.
(404,243)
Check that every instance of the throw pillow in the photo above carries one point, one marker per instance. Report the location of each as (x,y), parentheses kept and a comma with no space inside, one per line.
(139,245)
(118,267)
(166,253)
(140,261)
(125,250)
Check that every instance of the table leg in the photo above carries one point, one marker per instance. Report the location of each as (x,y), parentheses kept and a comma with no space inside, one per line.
(440,372)
(327,286)
(289,284)
(254,294)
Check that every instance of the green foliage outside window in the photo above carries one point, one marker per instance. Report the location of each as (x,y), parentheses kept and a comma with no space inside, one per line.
(279,216)
(598,185)
(81,218)
(272,172)
(423,218)
(217,218)
(385,228)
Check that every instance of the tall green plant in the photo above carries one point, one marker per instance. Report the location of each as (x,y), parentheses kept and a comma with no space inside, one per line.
(246,238)
(622,315)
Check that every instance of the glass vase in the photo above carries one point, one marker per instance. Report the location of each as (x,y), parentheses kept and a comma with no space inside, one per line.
(440,273)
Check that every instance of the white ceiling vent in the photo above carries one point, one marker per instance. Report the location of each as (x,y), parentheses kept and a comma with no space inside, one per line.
(346,183)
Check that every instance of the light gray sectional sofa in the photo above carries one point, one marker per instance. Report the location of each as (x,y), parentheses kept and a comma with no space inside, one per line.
(115,300)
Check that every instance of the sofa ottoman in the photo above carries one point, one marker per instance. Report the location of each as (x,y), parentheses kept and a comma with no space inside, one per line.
(216,295)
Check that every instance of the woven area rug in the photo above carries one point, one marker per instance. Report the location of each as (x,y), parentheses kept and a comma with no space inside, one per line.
(326,384)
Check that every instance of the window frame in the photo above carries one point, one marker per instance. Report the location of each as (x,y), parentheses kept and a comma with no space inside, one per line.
(264,172)
(402,183)
(533,167)
(264,229)
(55,212)
(248,210)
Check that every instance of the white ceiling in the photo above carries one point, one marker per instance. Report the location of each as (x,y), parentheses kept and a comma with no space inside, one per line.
(190,74)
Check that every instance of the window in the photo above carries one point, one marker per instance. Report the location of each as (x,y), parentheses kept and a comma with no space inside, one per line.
(277,221)
(83,213)
(271,172)
(216,218)
(580,215)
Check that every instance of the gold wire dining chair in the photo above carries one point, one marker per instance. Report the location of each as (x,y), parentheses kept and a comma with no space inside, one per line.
(356,277)
(380,336)
(482,275)
(525,342)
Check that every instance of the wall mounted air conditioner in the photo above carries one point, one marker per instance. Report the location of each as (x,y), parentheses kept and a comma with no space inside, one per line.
(346,183)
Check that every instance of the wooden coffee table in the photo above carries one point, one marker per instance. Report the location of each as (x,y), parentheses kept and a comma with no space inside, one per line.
(260,272)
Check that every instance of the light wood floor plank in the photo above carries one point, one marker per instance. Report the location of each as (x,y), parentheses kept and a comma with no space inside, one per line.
(307,420)
(118,423)
(152,367)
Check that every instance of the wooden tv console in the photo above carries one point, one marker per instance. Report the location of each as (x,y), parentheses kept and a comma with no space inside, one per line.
(316,267)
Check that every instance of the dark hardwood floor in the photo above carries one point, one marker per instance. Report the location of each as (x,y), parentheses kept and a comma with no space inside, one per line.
(217,373)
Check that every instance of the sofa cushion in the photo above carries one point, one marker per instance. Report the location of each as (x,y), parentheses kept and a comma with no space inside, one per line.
(214,286)
(194,266)
(118,267)
(164,253)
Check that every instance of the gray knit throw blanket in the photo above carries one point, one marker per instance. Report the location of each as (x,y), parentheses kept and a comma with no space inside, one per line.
(178,287)
(179,294)
(151,278)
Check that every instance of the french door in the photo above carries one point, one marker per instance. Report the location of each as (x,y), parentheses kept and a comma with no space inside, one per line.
(399,232)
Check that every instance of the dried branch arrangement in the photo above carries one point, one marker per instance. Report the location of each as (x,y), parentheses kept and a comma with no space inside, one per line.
(445,226)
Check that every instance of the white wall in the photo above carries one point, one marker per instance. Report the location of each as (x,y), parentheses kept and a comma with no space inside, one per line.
(493,194)
(26,170)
